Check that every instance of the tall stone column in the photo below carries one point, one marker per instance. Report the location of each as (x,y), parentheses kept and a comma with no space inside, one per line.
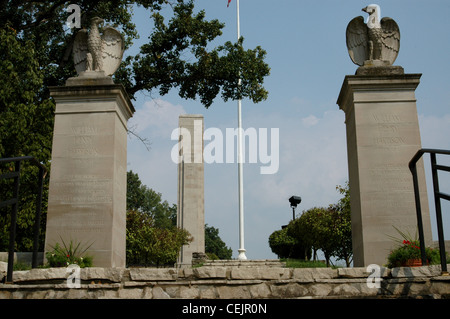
(87,195)
(382,137)
(191,211)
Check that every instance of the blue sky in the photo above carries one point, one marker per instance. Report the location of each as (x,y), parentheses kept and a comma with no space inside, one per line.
(306,50)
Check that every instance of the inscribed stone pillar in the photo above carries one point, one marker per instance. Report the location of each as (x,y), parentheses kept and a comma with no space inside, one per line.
(87,195)
(382,137)
(191,215)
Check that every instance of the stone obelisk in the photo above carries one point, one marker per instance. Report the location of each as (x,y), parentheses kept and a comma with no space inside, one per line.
(191,215)
(87,194)
(382,137)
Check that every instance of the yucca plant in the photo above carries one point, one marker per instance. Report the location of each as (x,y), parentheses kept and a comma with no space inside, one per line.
(65,255)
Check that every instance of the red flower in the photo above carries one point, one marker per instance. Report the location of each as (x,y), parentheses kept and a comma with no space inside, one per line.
(68,255)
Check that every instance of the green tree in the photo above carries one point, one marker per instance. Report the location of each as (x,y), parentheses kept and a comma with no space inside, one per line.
(281,243)
(343,225)
(311,228)
(162,63)
(152,236)
(149,245)
(26,124)
(145,200)
(26,119)
(214,245)
(285,244)
(326,227)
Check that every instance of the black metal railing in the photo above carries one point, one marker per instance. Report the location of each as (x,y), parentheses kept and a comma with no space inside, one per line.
(14,202)
(438,195)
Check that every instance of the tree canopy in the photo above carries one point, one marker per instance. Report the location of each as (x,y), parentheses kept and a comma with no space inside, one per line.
(177,54)
(142,199)
(215,247)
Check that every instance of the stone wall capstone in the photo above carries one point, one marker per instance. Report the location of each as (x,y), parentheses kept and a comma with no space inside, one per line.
(225,282)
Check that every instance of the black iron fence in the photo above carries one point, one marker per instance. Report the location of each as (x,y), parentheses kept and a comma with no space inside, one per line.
(438,195)
(14,174)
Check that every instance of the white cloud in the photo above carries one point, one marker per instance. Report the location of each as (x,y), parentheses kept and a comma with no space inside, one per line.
(310,121)
(160,116)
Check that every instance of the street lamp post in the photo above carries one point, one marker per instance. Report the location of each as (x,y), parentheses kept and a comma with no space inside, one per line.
(294,200)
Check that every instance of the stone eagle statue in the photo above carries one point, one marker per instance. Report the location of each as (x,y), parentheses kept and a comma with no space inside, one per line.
(375,41)
(95,52)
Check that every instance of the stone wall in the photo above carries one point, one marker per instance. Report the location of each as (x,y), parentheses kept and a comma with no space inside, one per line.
(227,282)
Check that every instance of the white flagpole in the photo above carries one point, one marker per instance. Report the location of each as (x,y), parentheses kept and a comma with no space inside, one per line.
(241,249)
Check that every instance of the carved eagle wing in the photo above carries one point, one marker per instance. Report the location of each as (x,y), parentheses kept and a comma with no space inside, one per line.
(357,40)
(80,50)
(390,40)
(113,47)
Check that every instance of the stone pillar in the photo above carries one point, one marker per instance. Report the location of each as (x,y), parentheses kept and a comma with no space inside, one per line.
(382,137)
(87,195)
(191,212)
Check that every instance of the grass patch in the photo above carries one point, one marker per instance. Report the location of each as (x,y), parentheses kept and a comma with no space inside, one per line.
(298,263)
(18,265)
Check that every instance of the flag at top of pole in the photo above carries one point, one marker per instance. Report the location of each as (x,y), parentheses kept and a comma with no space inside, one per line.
(228,3)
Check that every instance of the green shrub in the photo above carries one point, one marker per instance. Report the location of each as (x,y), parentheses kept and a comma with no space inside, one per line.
(281,243)
(286,246)
(68,254)
(408,248)
(148,245)
(411,250)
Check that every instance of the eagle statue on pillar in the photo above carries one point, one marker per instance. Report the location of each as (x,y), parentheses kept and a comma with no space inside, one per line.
(374,43)
(98,53)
